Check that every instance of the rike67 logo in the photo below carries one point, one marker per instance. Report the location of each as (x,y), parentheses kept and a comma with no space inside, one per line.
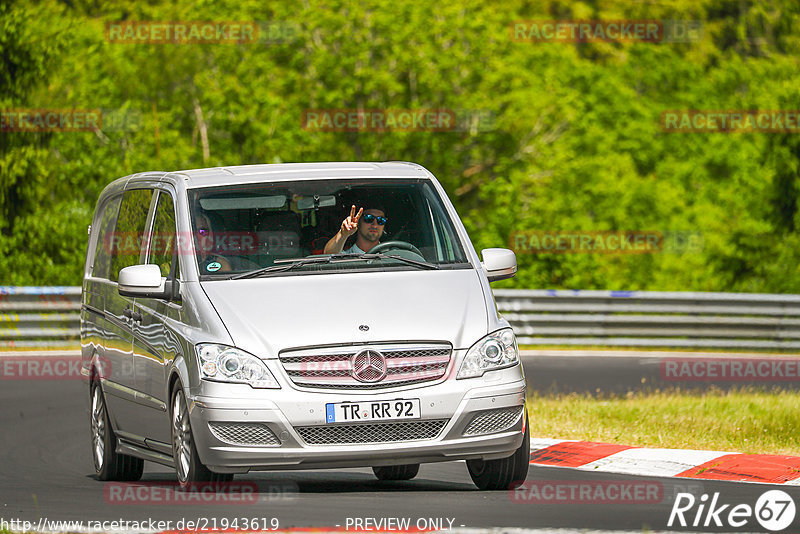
(774,510)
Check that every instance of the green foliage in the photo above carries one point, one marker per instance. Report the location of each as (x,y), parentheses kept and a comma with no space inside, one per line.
(574,142)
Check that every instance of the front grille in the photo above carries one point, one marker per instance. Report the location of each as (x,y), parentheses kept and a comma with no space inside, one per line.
(491,421)
(332,368)
(371,432)
(244,433)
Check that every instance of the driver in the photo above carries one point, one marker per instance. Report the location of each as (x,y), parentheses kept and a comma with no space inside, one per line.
(368,224)
(208,261)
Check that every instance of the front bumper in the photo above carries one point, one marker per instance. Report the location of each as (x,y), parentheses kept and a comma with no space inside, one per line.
(283,411)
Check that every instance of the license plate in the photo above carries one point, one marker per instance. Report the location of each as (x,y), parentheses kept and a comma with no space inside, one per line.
(349,412)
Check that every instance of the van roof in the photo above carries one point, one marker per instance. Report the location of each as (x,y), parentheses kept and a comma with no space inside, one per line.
(298,171)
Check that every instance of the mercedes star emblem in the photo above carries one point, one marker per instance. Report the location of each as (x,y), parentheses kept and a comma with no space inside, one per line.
(369,366)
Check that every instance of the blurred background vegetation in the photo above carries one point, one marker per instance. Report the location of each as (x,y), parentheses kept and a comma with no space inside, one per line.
(574,143)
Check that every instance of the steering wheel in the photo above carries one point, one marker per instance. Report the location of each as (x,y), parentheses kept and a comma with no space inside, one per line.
(402,245)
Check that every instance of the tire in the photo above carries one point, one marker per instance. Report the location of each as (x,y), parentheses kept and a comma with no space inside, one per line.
(505,473)
(188,466)
(108,464)
(396,472)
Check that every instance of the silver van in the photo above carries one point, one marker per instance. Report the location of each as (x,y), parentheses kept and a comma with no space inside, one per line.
(296,316)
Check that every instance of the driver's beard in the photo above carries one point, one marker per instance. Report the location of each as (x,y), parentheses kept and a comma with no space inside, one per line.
(369,239)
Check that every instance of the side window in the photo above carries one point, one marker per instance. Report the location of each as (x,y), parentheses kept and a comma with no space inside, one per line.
(441,238)
(102,253)
(162,244)
(126,243)
(444,243)
(447,247)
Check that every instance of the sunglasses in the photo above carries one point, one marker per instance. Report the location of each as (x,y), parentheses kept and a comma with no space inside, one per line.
(368,218)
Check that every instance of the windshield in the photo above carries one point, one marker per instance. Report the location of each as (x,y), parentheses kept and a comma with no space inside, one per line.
(400,224)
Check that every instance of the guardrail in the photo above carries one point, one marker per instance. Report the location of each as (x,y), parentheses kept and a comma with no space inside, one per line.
(39,316)
(653,319)
(50,316)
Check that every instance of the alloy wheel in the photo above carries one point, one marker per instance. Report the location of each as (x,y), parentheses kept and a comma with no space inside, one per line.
(181,436)
(98,428)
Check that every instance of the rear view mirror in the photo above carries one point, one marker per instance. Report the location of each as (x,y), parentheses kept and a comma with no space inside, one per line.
(498,263)
(321,201)
(146,281)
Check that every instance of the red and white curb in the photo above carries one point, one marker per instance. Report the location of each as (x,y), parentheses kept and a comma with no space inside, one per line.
(703,465)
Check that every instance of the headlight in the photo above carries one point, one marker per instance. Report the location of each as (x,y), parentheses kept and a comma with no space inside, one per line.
(221,363)
(495,351)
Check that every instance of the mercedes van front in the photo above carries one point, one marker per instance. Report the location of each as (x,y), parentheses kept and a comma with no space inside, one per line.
(297,316)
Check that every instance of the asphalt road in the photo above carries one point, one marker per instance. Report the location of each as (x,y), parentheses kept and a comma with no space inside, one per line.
(605,372)
(46,472)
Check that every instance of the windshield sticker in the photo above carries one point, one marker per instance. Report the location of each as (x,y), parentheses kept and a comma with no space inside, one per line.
(214,266)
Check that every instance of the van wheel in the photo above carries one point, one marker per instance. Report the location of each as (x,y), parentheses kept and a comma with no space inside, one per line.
(188,466)
(107,463)
(396,472)
(505,473)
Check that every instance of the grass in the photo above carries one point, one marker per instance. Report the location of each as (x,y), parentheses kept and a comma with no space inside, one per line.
(744,420)
(65,346)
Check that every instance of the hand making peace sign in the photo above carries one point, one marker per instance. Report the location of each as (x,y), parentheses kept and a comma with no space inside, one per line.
(350,224)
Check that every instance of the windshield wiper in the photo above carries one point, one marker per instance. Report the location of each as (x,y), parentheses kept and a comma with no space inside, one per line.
(288,264)
(380,256)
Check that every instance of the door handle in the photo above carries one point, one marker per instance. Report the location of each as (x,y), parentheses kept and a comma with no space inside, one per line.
(130,314)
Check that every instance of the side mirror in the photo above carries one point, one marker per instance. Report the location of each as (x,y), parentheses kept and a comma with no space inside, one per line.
(498,263)
(146,281)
